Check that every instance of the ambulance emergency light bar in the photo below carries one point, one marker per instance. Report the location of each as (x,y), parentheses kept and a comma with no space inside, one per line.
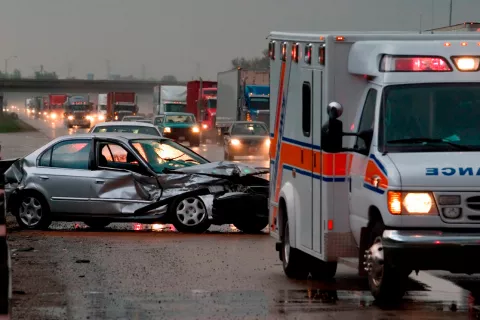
(391,63)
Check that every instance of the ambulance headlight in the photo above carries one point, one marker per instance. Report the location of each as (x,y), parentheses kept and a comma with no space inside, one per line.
(466,63)
(411,203)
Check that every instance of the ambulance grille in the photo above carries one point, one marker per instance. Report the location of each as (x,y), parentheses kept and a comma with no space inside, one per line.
(474,203)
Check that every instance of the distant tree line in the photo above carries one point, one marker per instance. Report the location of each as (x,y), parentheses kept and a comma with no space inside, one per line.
(258,63)
(16,74)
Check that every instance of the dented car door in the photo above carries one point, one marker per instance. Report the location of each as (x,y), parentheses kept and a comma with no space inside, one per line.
(121,183)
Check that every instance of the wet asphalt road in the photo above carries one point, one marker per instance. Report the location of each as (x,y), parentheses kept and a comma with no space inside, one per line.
(134,271)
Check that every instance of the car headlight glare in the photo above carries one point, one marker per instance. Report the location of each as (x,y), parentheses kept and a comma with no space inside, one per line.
(235,142)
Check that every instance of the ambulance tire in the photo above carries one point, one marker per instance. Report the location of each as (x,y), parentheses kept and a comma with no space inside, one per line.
(323,270)
(295,262)
(390,286)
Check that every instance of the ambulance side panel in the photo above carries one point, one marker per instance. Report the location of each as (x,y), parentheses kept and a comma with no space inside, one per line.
(348,90)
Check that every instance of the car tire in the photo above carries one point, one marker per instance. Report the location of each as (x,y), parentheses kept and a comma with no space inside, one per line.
(189,215)
(97,224)
(252,227)
(295,262)
(387,284)
(32,205)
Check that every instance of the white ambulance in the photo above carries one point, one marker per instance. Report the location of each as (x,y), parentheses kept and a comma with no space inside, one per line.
(401,190)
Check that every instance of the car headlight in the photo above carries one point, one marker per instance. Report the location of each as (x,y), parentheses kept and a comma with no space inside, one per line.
(70,117)
(53,116)
(235,142)
(267,142)
(205,126)
(195,129)
(89,118)
(116,117)
(101,117)
(411,203)
(43,113)
(167,130)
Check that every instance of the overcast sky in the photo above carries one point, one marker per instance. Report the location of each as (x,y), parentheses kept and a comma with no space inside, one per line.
(187,38)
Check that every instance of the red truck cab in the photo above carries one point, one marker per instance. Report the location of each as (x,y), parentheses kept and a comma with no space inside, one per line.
(121,104)
(55,105)
(202,102)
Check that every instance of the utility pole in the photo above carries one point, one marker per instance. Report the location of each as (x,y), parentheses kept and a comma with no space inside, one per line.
(450,16)
(109,70)
(6,65)
(69,69)
(144,72)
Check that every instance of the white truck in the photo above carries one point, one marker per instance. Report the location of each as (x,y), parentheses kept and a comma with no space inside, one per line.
(399,188)
(169,99)
(242,95)
(102,107)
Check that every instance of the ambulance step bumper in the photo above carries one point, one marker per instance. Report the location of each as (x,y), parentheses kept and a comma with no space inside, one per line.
(432,250)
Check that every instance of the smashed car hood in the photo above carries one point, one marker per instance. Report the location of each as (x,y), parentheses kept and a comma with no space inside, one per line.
(224,169)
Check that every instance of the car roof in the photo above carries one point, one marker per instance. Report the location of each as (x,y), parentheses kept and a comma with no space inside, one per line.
(124,124)
(248,122)
(123,136)
(178,114)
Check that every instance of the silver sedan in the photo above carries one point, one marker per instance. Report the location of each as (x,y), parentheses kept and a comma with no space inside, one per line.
(101,178)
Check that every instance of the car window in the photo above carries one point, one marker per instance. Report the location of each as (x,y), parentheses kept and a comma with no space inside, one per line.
(115,156)
(249,129)
(158,120)
(129,129)
(71,154)
(179,119)
(45,158)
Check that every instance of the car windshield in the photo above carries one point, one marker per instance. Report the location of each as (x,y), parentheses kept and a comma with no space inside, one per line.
(260,104)
(129,129)
(158,120)
(251,129)
(180,118)
(166,154)
(431,117)
(175,107)
(124,108)
(132,118)
(78,107)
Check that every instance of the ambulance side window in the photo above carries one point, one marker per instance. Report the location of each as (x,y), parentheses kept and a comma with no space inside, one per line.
(306,108)
(368,116)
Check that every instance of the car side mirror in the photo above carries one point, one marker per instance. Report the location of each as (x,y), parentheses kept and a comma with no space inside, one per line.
(332,130)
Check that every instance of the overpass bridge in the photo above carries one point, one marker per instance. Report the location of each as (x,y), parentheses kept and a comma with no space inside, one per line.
(80,85)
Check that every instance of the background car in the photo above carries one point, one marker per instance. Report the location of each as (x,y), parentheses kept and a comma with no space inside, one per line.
(245,138)
(145,121)
(181,126)
(130,126)
(132,118)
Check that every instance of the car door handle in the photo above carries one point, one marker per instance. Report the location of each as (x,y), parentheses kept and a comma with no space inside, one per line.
(44,177)
(99,181)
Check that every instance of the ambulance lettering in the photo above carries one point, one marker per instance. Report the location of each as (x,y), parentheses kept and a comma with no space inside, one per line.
(449,171)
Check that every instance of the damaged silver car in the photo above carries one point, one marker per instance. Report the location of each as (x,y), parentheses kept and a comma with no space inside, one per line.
(100,178)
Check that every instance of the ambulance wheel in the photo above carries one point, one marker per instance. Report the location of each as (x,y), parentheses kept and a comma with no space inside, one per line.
(295,263)
(387,284)
(323,270)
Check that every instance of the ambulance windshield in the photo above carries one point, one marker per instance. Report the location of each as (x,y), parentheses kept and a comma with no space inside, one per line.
(431,118)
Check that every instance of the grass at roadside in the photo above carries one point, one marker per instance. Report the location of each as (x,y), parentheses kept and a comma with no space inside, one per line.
(11,123)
